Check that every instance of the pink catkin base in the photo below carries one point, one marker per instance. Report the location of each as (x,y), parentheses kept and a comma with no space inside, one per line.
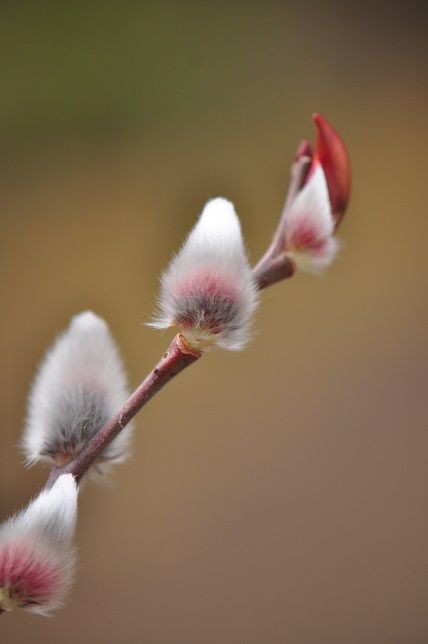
(28,578)
(210,284)
(306,236)
(213,290)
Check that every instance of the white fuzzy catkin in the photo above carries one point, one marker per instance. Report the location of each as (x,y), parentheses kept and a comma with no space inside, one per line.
(80,385)
(208,290)
(310,225)
(37,557)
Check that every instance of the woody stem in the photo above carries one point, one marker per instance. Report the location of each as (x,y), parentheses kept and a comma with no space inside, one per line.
(275,265)
(178,356)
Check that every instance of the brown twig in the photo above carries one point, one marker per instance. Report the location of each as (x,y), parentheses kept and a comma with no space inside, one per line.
(275,265)
(178,356)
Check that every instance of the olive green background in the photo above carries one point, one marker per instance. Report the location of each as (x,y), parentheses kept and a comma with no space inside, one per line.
(278,496)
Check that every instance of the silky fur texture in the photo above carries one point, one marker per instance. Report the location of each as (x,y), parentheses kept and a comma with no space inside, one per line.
(310,225)
(37,558)
(208,290)
(79,386)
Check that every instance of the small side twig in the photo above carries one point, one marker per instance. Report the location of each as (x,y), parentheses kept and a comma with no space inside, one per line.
(275,265)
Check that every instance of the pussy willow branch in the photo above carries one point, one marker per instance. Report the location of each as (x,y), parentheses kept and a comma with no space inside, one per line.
(274,266)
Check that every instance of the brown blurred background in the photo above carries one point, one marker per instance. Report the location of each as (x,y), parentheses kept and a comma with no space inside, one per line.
(274,496)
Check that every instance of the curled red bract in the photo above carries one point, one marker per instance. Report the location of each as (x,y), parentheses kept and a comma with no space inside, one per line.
(331,153)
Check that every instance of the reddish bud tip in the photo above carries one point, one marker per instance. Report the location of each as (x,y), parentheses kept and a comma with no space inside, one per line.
(331,153)
(304,150)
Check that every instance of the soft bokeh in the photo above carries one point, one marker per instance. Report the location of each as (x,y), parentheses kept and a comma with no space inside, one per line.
(274,496)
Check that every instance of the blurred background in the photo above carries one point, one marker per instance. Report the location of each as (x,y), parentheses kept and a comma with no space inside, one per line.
(274,496)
